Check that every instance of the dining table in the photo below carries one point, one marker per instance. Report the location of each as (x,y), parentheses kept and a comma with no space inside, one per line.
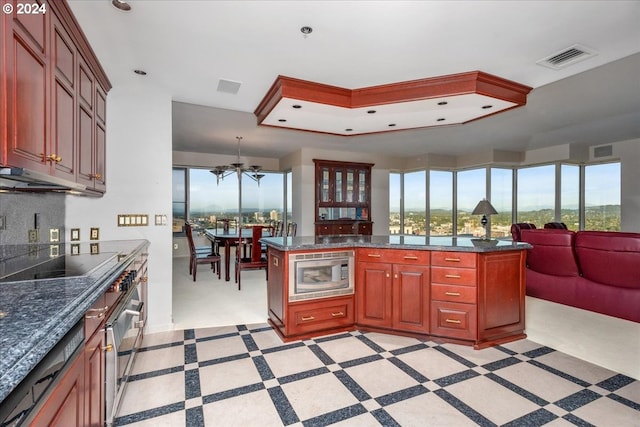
(230,238)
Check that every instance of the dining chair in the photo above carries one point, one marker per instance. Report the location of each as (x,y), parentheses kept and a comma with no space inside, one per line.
(200,256)
(255,260)
(278,228)
(292,229)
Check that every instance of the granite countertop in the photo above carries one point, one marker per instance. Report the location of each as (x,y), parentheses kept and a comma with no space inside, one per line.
(442,243)
(36,314)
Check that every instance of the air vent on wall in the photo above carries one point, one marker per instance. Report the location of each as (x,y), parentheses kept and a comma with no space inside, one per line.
(567,57)
(603,151)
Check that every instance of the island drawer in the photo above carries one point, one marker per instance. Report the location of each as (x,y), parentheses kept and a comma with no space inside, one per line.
(454,276)
(322,314)
(394,256)
(453,320)
(453,293)
(453,259)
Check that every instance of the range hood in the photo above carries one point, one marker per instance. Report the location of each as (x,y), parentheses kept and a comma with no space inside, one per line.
(19,179)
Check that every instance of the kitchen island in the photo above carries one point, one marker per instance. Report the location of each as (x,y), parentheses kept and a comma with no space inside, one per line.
(37,312)
(462,290)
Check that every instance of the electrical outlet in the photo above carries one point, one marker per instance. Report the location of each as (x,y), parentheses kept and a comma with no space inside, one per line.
(33,236)
(175,246)
(54,235)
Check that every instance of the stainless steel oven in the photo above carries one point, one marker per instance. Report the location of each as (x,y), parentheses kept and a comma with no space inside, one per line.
(123,338)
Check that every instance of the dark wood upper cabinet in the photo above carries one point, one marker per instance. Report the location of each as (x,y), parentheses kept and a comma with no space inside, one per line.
(342,197)
(55,101)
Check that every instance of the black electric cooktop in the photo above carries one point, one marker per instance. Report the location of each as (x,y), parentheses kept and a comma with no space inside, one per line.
(61,266)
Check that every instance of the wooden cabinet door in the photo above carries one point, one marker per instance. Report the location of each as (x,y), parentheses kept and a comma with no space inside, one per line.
(277,287)
(411,298)
(65,406)
(86,148)
(373,294)
(63,147)
(94,379)
(28,90)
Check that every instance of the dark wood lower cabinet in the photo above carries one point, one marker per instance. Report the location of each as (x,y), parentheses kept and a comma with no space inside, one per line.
(65,406)
(94,379)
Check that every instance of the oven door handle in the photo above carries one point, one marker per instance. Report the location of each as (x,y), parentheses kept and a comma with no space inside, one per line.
(137,311)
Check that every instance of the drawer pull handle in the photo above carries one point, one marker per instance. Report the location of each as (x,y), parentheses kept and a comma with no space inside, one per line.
(105,308)
(453,321)
(452,276)
(97,316)
(452,259)
(374,255)
(338,314)
(410,257)
(306,319)
(452,294)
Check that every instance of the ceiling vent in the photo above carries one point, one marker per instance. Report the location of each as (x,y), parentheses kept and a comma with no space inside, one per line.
(567,57)
(228,86)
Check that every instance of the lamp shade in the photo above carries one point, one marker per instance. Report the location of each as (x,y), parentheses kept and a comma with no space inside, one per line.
(484,208)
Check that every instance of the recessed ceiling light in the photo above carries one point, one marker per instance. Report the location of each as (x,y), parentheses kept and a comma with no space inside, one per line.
(441,119)
(306,30)
(140,72)
(348,130)
(442,103)
(121,5)
(297,106)
(486,107)
(391,125)
(282,120)
(371,112)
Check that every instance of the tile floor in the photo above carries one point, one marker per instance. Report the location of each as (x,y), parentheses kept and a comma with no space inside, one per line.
(245,376)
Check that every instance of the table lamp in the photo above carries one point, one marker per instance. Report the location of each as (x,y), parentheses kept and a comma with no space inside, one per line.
(484,208)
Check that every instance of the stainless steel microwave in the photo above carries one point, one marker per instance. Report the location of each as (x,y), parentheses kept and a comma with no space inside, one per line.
(320,274)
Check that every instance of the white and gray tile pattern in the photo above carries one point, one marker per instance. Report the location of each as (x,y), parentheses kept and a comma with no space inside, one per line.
(245,376)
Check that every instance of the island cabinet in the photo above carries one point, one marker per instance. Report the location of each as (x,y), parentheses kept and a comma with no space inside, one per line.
(392,289)
(53,114)
(306,318)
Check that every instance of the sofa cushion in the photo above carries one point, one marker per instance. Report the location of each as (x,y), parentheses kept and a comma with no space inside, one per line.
(552,251)
(611,258)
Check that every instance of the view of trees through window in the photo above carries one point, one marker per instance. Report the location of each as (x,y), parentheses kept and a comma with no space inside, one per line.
(535,195)
(422,202)
(209,201)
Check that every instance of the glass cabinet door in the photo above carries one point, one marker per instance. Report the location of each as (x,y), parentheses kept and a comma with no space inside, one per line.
(362,186)
(338,191)
(349,197)
(324,186)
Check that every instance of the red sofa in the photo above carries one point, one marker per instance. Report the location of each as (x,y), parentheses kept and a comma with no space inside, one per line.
(592,270)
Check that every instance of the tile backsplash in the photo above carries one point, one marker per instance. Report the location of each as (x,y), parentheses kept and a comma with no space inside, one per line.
(18,211)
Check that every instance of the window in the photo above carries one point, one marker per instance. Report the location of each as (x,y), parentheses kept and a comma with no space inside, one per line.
(198,198)
(536,194)
(415,197)
(472,188)
(440,203)
(502,200)
(570,196)
(395,199)
(602,197)
(179,183)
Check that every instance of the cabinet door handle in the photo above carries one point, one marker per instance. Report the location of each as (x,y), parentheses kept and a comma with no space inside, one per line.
(410,257)
(452,294)
(452,259)
(373,255)
(97,316)
(108,347)
(453,321)
(338,314)
(452,276)
(306,319)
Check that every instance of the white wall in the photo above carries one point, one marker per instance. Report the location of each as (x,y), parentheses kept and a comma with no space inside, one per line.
(629,154)
(138,181)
